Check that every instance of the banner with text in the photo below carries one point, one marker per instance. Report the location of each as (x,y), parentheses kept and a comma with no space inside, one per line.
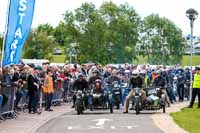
(19,22)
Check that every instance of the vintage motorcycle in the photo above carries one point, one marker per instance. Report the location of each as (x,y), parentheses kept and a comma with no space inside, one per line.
(89,100)
(155,100)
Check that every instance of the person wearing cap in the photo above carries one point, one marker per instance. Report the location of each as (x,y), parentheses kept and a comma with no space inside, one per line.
(196,88)
(79,84)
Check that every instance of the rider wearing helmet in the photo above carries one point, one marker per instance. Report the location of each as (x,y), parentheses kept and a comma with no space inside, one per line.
(98,87)
(94,77)
(79,84)
(97,90)
(114,77)
(136,81)
(160,81)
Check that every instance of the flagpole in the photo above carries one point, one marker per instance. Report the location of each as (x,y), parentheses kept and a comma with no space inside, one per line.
(5,34)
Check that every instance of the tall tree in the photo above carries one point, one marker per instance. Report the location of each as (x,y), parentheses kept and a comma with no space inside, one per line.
(45,28)
(38,46)
(105,35)
(161,40)
(123,30)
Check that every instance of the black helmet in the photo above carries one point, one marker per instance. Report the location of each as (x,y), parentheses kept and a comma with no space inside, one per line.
(197,67)
(95,71)
(80,75)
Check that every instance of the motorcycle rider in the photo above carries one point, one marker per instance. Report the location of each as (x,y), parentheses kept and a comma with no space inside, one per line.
(97,90)
(98,87)
(114,77)
(79,84)
(93,78)
(160,81)
(136,81)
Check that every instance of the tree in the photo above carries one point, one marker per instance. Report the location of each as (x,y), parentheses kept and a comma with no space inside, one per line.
(38,46)
(161,41)
(105,35)
(123,30)
(45,28)
(86,29)
(60,34)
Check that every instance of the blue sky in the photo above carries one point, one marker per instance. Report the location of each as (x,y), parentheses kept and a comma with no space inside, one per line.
(50,11)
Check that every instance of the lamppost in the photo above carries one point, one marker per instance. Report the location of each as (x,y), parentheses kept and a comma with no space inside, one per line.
(164,53)
(192,15)
(72,51)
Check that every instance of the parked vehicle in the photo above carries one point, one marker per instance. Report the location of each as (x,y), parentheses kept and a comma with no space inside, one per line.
(57,51)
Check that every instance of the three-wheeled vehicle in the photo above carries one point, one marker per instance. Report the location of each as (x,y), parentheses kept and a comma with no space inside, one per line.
(93,101)
(155,100)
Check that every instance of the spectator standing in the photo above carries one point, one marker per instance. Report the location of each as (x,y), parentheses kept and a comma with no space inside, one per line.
(48,90)
(196,88)
(33,88)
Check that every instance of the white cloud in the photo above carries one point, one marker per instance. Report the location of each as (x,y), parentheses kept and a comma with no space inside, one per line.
(50,11)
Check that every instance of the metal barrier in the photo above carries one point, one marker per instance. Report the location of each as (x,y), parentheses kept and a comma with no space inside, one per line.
(58,93)
(11,102)
(8,101)
(1,100)
(68,91)
(63,92)
(23,101)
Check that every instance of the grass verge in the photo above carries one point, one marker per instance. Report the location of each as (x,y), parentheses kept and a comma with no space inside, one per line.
(188,119)
(141,60)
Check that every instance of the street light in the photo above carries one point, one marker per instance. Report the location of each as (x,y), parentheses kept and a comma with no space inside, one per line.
(72,51)
(192,15)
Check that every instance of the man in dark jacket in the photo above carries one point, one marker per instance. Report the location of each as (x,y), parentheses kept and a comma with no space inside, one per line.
(94,77)
(180,85)
(161,81)
(136,81)
(33,87)
(79,84)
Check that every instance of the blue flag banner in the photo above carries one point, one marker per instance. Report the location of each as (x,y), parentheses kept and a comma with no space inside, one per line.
(19,22)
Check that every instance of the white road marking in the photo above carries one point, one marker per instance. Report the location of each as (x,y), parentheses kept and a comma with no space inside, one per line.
(130,127)
(93,127)
(69,128)
(101,122)
(112,127)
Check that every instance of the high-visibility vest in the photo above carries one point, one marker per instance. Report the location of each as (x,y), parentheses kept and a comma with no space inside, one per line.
(154,76)
(196,83)
(48,85)
(146,80)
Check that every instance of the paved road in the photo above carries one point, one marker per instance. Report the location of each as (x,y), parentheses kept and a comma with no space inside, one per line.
(101,121)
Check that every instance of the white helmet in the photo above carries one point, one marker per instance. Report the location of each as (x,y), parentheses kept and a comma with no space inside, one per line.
(127,71)
(135,73)
(175,78)
(142,72)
